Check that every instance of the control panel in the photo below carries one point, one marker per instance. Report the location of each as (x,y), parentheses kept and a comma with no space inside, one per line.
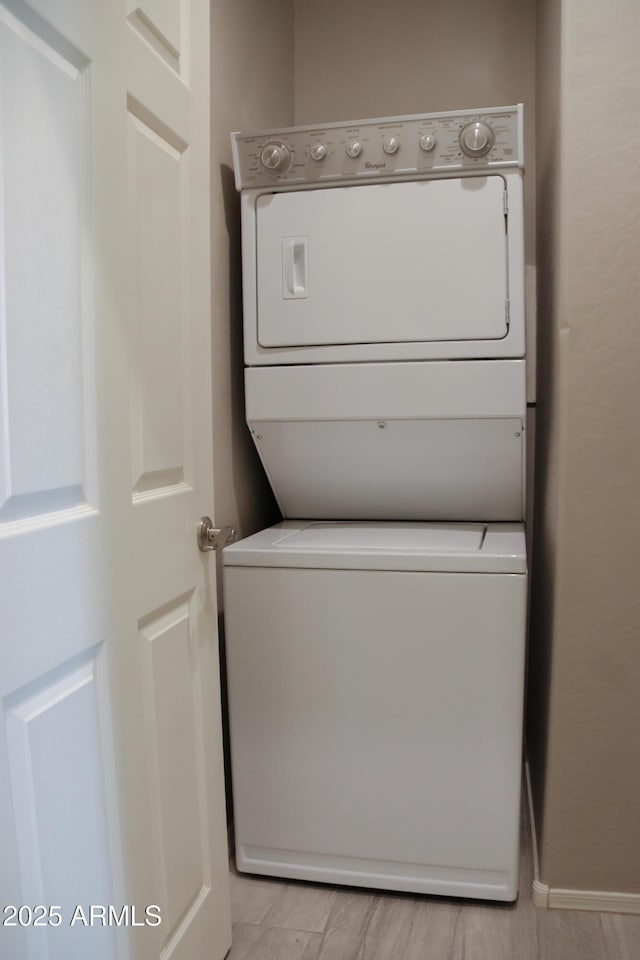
(399,147)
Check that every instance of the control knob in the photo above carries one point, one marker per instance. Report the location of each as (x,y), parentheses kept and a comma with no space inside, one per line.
(391,145)
(476,139)
(354,148)
(427,142)
(275,157)
(318,151)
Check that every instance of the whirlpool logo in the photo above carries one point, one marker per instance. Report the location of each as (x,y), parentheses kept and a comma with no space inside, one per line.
(374,166)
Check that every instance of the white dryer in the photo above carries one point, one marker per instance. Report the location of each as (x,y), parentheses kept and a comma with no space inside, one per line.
(384,335)
(425,260)
(375,644)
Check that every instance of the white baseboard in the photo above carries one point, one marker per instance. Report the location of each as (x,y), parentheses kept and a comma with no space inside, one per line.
(539,894)
(544,896)
(603,901)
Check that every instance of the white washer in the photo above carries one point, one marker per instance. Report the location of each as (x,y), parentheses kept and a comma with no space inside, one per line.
(375,696)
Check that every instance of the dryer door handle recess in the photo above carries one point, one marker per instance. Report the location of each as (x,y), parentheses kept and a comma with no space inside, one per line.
(294,268)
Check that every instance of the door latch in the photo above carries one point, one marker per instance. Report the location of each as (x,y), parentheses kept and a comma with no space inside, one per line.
(212,538)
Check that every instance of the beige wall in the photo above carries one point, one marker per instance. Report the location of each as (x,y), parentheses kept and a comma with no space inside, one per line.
(252,88)
(363,58)
(585,642)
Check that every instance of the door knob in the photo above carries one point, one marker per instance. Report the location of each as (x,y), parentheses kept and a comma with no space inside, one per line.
(210,537)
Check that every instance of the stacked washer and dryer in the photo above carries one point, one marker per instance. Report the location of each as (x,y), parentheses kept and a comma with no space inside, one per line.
(376,637)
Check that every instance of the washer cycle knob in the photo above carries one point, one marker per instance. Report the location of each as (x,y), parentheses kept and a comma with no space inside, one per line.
(476,139)
(275,157)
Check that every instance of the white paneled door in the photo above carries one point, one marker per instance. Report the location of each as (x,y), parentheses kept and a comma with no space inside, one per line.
(113,838)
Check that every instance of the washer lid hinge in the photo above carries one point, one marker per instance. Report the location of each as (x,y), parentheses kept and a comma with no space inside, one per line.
(507,312)
(505,202)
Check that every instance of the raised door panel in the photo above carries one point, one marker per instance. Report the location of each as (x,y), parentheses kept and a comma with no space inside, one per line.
(176,775)
(46,324)
(56,764)
(158,172)
(160,25)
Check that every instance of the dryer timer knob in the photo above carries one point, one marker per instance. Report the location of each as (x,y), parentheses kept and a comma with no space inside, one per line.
(275,157)
(476,139)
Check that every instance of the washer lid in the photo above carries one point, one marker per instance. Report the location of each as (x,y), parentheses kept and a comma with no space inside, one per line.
(379,545)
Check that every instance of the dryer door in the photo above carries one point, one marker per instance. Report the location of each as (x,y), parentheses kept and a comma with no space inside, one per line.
(419,261)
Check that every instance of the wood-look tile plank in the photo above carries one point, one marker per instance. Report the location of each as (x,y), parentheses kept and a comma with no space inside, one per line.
(251,899)
(622,933)
(243,938)
(486,932)
(416,928)
(572,935)
(385,934)
(301,907)
(347,925)
(254,942)
(313,947)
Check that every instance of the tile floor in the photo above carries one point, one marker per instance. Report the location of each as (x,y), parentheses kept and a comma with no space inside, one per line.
(280,920)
